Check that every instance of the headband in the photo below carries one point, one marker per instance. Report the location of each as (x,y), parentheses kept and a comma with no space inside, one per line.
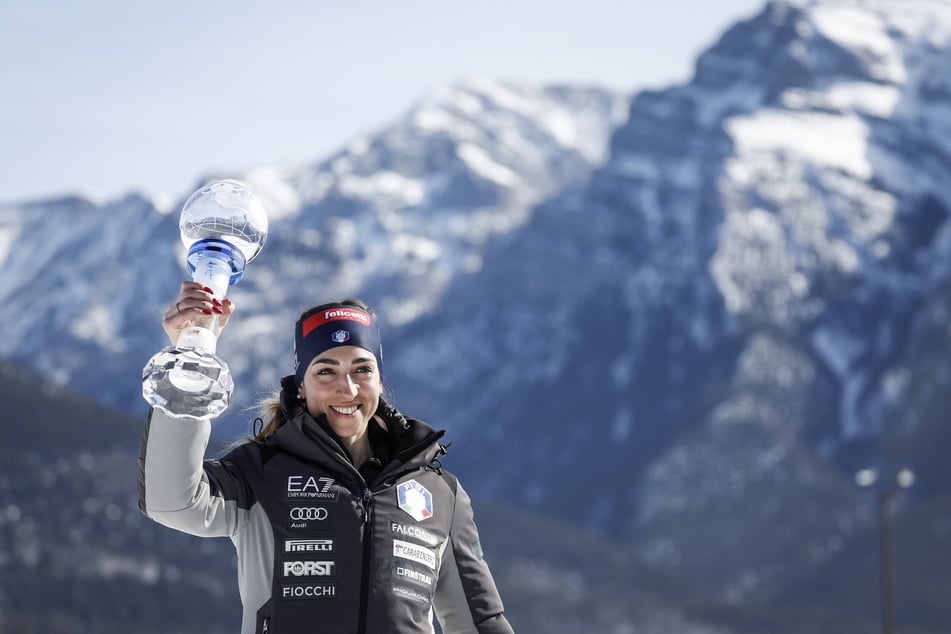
(333,327)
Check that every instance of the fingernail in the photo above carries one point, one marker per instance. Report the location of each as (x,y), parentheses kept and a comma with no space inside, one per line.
(209,290)
(215,302)
(218,310)
(206,311)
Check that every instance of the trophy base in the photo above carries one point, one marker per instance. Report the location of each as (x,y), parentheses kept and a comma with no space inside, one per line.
(187,383)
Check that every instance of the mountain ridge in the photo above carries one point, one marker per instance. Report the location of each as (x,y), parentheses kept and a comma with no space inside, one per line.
(686,344)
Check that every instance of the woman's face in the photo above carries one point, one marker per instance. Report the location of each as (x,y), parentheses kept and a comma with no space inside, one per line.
(344,384)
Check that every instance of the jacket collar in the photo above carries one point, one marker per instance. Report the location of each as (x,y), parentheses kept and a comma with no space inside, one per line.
(401,442)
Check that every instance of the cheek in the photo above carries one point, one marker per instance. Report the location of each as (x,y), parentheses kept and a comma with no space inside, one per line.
(312,392)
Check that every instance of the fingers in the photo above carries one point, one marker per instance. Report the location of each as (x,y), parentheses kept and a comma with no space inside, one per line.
(194,306)
(227,309)
(193,301)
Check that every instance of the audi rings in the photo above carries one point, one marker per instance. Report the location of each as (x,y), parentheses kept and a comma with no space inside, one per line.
(302,513)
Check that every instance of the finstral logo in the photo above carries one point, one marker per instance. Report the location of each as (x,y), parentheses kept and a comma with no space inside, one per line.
(408,573)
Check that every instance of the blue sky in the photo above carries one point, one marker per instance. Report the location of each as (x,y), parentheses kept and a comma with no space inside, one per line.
(103,97)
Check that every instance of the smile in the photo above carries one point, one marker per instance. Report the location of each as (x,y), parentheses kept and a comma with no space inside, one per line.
(345,410)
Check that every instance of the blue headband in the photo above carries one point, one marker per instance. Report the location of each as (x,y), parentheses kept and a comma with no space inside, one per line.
(331,328)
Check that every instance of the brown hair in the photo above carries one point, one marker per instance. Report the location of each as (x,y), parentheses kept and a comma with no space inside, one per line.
(270,412)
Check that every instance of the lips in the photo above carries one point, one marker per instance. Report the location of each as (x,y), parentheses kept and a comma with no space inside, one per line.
(345,410)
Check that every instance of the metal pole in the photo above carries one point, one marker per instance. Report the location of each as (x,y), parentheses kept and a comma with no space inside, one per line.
(886,563)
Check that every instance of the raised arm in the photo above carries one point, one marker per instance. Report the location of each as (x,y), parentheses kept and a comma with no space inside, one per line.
(176,486)
(179,489)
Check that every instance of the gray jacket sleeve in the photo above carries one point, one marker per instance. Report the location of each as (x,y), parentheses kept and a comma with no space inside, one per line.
(179,489)
(466,600)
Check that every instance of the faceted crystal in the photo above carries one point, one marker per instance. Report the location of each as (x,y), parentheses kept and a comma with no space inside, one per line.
(188,384)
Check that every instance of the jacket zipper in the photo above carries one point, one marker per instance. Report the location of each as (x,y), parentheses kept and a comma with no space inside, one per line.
(367,549)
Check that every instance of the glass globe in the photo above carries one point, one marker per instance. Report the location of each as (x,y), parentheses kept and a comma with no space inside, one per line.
(223,225)
(224,217)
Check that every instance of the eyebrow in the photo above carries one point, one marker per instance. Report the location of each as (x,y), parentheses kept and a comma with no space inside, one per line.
(330,361)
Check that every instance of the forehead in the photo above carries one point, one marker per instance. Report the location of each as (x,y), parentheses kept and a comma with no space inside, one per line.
(345,355)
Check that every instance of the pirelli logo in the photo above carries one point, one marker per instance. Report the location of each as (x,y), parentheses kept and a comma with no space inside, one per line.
(308,545)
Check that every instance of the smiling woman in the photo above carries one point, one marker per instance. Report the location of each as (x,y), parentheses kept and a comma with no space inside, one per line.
(338,357)
(339,507)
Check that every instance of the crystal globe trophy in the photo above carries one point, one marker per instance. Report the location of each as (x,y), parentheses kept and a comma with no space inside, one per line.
(223,226)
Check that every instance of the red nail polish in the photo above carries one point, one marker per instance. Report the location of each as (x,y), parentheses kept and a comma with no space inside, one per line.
(209,290)
(206,311)
(218,311)
(215,302)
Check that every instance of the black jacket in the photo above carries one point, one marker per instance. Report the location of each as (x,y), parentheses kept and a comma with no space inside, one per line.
(322,547)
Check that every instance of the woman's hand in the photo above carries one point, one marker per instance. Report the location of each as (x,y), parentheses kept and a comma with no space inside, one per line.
(193,306)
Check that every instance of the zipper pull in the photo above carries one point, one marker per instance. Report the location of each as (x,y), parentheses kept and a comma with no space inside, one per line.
(366,504)
(266,625)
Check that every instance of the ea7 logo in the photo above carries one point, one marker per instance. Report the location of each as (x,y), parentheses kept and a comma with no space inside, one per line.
(310,487)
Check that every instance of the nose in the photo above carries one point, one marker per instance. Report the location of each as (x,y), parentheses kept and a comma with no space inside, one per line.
(347,386)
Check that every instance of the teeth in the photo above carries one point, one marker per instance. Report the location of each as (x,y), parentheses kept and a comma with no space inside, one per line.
(344,410)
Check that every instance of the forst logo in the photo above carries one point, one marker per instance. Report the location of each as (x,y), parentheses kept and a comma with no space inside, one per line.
(308,568)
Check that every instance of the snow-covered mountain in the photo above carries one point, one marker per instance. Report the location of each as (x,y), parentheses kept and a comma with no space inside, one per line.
(394,217)
(682,323)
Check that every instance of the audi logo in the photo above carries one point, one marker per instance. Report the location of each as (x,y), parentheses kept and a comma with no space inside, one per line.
(309,513)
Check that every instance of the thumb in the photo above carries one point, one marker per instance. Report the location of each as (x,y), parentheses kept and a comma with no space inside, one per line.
(227,309)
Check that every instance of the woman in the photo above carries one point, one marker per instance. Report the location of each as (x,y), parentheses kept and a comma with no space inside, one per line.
(341,514)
